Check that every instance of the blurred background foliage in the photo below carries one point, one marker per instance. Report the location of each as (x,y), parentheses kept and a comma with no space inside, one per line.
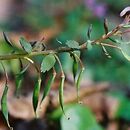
(69,20)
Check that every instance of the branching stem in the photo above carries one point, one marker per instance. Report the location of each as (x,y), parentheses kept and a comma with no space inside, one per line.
(64,49)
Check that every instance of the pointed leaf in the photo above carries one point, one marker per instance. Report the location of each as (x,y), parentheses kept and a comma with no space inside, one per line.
(113,40)
(20,76)
(4,107)
(61,91)
(39,47)
(75,67)
(19,80)
(118,41)
(106,26)
(7,39)
(89,31)
(36,92)
(48,62)
(125,49)
(72,44)
(25,45)
(48,86)
(78,82)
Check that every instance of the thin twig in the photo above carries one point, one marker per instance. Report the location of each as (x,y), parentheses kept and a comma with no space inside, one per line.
(60,65)
(110,45)
(64,49)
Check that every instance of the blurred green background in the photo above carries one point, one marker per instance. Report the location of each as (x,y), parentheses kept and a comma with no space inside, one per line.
(62,20)
(69,20)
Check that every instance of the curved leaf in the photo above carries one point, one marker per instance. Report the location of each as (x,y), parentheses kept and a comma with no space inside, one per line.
(81,118)
(72,44)
(125,49)
(61,91)
(125,55)
(75,67)
(48,86)
(19,80)
(89,31)
(7,39)
(48,62)
(36,92)
(78,82)
(123,109)
(4,107)
(25,45)
(106,26)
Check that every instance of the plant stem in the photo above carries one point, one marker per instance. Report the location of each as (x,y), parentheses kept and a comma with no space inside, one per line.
(106,36)
(64,49)
(46,52)
(60,65)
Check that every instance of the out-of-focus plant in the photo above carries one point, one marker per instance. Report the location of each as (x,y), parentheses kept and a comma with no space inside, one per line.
(81,119)
(50,57)
(98,9)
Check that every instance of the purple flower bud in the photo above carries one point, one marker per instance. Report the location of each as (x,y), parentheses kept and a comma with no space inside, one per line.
(90,3)
(98,9)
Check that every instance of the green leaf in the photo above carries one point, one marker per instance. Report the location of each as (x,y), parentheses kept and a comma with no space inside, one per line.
(115,40)
(7,39)
(25,45)
(89,31)
(126,55)
(48,86)
(127,26)
(48,62)
(75,67)
(72,44)
(19,80)
(61,93)
(57,113)
(78,82)
(106,26)
(125,49)
(14,66)
(4,107)
(119,41)
(123,110)
(36,92)
(81,118)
